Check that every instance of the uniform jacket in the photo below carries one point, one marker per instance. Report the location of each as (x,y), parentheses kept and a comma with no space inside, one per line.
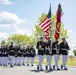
(48,49)
(32,52)
(11,50)
(64,48)
(41,47)
(55,48)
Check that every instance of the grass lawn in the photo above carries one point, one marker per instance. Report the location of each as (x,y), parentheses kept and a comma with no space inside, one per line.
(69,62)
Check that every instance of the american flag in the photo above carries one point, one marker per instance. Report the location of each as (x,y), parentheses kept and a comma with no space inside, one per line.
(46,24)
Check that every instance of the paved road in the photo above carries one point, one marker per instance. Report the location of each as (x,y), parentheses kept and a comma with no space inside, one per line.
(24,70)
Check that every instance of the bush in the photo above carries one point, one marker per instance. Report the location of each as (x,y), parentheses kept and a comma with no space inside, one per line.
(74,52)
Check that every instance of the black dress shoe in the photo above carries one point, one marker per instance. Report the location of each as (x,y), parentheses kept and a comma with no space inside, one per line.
(27,64)
(32,65)
(3,65)
(65,69)
(0,64)
(19,65)
(6,65)
(53,67)
(61,66)
(23,64)
(11,65)
(37,67)
(41,70)
(58,69)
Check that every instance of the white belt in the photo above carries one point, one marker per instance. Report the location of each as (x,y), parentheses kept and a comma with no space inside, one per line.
(41,49)
(55,49)
(11,50)
(63,49)
(3,53)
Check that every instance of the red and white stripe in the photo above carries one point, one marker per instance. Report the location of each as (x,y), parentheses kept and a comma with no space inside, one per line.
(46,25)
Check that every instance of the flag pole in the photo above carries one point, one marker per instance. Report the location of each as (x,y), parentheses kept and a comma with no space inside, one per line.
(50,24)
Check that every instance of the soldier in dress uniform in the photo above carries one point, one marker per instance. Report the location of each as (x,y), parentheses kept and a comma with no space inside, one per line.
(28,54)
(16,55)
(32,54)
(1,55)
(41,50)
(64,51)
(24,55)
(56,53)
(12,54)
(6,55)
(19,54)
(49,53)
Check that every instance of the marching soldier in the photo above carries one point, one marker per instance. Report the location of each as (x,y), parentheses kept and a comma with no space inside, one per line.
(49,54)
(41,50)
(12,54)
(56,53)
(32,54)
(16,55)
(19,54)
(24,55)
(1,55)
(64,51)
(6,55)
(28,54)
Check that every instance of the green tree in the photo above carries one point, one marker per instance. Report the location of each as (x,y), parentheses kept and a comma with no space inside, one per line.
(39,32)
(74,51)
(20,39)
(3,42)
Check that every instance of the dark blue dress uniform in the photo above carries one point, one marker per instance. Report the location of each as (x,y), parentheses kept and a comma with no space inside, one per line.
(12,55)
(23,55)
(56,53)
(5,56)
(6,51)
(28,54)
(16,51)
(24,52)
(11,50)
(41,51)
(16,55)
(55,49)
(32,55)
(48,45)
(64,51)
(48,54)
(1,55)
(19,53)
(41,47)
(64,48)
(1,52)
(32,52)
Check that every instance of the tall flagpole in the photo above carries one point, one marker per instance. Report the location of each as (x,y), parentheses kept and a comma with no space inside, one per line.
(50,24)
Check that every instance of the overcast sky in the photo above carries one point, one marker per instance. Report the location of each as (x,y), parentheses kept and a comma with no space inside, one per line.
(20,16)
